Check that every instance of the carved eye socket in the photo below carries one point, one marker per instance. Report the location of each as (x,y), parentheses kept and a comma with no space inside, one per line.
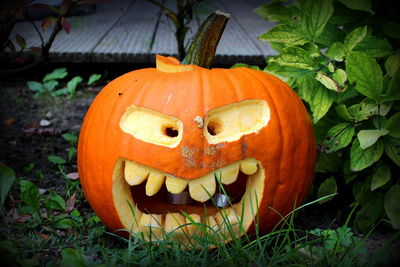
(152,126)
(230,122)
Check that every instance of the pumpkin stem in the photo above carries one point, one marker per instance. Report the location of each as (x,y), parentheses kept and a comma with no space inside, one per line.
(202,49)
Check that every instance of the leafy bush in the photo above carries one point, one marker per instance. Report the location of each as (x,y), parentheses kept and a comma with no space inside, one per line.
(342,59)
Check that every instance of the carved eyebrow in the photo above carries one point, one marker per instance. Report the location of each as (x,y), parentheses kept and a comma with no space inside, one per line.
(152,126)
(229,123)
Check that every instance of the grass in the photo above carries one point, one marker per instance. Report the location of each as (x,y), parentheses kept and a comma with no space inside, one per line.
(74,236)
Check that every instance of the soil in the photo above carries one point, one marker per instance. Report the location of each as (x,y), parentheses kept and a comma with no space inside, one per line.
(25,141)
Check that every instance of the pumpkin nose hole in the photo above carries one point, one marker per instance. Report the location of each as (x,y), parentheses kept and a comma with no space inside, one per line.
(214,127)
(171,131)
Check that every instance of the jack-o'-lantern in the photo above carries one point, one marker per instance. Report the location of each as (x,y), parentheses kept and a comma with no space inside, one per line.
(183,130)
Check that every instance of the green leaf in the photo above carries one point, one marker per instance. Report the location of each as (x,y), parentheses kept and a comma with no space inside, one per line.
(392,64)
(70,137)
(319,99)
(392,29)
(392,207)
(63,91)
(328,187)
(320,102)
(73,83)
(328,82)
(94,78)
(340,77)
(312,49)
(71,153)
(56,159)
(239,65)
(276,12)
(363,5)
(7,179)
(330,67)
(339,136)
(35,86)
(362,191)
(393,125)
(328,163)
(321,129)
(62,222)
(330,35)
(369,137)
(374,46)
(365,72)
(392,149)
(72,257)
(294,57)
(342,111)
(336,51)
(55,202)
(50,85)
(354,38)
(56,74)
(285,33)
(380,177)
(30,195)
(314,16)
(393,91)
(284,73)
(368,108)
(363,158)
(379,122)
(369,213)
(305,86)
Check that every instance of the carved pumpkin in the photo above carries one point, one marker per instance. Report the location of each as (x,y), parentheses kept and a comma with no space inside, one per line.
(172,129)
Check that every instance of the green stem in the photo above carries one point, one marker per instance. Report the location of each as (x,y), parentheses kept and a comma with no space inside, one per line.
(202,49)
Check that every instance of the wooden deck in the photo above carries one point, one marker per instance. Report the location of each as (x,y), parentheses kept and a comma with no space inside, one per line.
(134,31)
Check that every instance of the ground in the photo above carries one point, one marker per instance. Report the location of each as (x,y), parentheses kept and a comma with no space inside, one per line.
(31,130)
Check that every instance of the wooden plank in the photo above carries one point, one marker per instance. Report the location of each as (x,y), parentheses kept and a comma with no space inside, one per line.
(165,42)
(251,23)
(130,39)
(235,45)
(85,34)
(129,31)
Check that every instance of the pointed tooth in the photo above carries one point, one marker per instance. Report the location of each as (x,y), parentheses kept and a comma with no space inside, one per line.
(212,225)
(134,173)
(248,166)
(191,227)
(229,174)
(173,224)
(173,221)
(136,217)
(202,188)
(228,220)
(175,185)
(151,224)
(154,182)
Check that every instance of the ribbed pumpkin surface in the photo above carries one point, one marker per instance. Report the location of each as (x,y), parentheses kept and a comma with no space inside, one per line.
(285,147)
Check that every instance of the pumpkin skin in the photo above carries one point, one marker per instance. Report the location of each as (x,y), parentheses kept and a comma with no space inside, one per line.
(284,148)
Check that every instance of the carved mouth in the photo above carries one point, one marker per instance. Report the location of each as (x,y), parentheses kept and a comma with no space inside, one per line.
(141,196)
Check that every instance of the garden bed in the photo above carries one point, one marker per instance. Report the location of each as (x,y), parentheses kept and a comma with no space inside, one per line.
(34,128)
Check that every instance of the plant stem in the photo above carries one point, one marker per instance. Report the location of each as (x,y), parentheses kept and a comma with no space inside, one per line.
(202,49)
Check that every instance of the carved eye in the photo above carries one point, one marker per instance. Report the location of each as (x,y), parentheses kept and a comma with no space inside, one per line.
(230,122)
(152,126)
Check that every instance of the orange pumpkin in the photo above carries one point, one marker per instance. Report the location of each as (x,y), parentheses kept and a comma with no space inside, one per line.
(172,129)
